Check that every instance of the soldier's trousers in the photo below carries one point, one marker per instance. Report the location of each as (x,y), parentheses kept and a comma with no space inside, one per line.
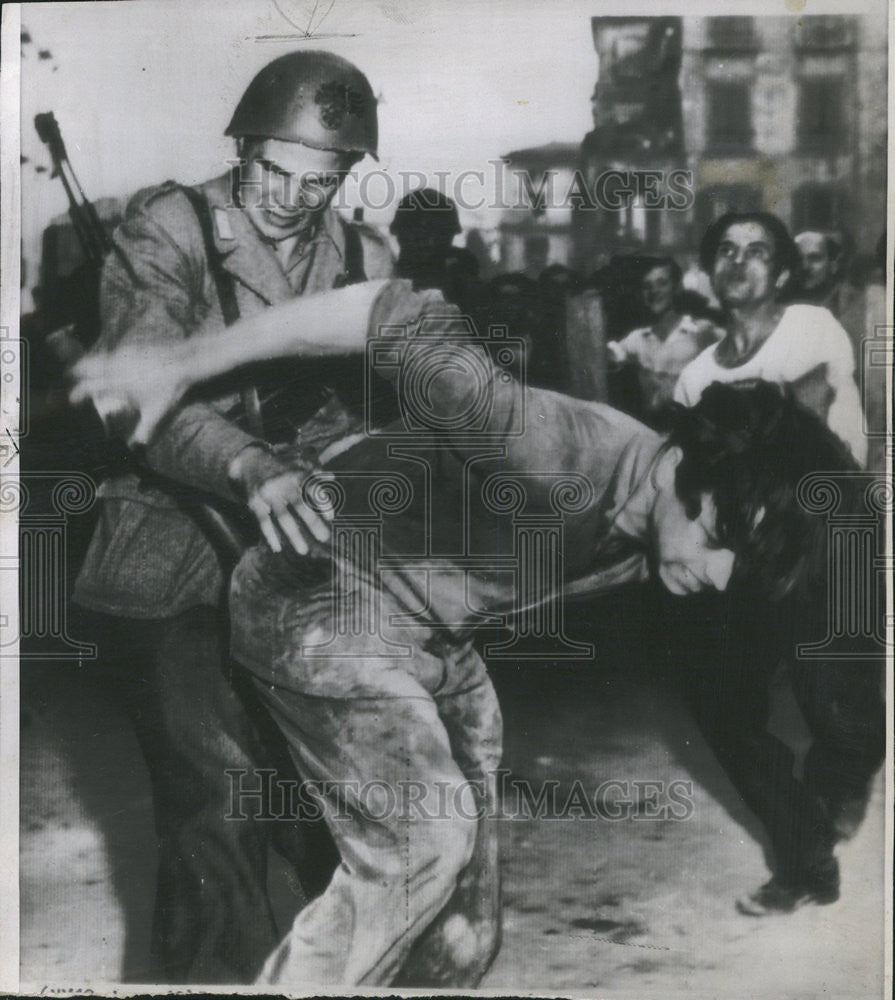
(196,718)
(400,732)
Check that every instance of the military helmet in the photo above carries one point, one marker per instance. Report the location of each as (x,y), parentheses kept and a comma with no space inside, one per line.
(425,208)
(315,98)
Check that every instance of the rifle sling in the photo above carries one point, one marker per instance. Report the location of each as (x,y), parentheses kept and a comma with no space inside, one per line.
(224,536)
(226,290)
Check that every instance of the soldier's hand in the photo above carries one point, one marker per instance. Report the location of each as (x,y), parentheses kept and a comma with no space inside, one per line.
(274,492)
(132,388)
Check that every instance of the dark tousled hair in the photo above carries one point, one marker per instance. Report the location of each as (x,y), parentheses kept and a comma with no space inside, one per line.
(749,445)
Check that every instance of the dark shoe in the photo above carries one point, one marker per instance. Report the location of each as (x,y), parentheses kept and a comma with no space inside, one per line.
(820,888)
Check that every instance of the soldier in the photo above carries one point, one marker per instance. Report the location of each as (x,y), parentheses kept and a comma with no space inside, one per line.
(425,225)
(157,568)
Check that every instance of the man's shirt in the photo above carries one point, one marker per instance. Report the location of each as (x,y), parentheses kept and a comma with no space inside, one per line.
(660,360)
(807,339)
(535,495)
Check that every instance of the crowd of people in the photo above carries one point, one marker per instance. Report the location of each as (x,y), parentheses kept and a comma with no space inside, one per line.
(655,325)
(235,328)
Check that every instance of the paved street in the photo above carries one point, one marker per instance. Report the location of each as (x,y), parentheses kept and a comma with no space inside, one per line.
(635,907)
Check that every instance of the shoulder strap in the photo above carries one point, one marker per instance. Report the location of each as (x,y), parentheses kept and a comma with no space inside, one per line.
(223,282)
(226,290)
(354,255)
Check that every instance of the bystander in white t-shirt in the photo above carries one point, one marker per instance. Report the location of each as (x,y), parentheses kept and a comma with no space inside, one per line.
(806,338)
(659,362)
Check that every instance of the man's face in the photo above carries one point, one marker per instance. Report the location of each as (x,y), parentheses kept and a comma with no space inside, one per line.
(744,272)
(818,266)
(286,185)
(657,289)
(688,556)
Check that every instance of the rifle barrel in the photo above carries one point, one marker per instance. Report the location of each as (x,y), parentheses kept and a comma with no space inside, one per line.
(89,229)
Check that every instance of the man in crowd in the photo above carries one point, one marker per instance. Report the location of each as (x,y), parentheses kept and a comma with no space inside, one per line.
(822,280)
(425,224)
(751,259)
(673,338)
(368,666)
(171,529)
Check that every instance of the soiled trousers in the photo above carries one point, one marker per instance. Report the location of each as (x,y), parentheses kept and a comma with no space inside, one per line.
(197,717)
(398,730)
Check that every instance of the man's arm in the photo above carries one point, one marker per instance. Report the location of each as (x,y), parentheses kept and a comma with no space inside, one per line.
(155,297)
(459,380)
(845,416)
(148,379)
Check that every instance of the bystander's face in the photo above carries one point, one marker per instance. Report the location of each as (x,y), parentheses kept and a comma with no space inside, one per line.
(657,289)
(284,186)
(818,266)
(744,273)
(688,557)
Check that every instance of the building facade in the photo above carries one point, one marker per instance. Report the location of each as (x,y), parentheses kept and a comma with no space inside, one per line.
(697,116)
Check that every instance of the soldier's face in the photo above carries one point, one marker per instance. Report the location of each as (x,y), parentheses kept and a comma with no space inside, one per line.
(687,555)
(285,185)
(425,244)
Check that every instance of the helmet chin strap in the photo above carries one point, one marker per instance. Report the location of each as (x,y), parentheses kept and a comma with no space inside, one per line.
(295,235)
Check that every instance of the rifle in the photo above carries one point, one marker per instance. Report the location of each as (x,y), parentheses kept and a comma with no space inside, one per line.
(68,346)
(89,229)
(91,234)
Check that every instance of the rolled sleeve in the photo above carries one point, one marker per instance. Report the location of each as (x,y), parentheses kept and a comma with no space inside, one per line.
(538,429)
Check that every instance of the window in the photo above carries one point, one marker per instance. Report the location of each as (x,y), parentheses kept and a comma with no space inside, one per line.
(824,32)
(818,206)
(713,202)
(731,33)
(821,118)
(537,252)
(729,117)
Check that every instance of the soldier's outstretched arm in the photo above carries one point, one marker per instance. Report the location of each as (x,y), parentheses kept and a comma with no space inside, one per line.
(147,379)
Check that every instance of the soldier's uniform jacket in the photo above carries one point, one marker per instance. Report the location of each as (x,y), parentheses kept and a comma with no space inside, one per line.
(152,555)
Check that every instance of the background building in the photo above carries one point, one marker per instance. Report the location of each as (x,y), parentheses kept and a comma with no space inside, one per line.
(783,114)
(537,229)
